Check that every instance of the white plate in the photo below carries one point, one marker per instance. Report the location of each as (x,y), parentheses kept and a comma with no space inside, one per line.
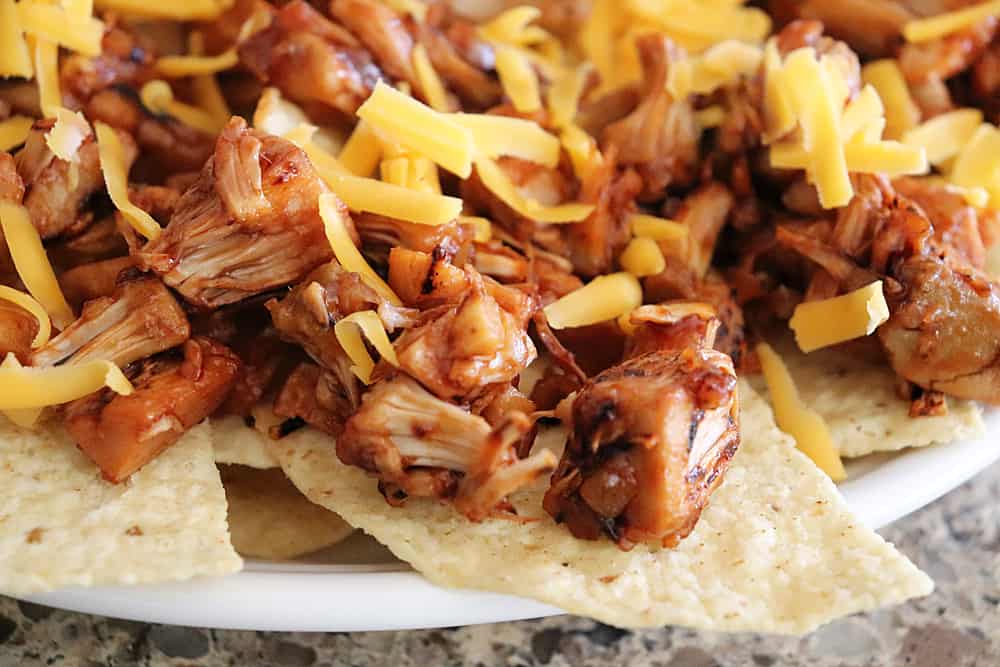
(367,590)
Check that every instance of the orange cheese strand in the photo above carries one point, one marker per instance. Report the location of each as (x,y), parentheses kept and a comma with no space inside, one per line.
(25,301)
(349,331)
(32,263)
(346,252)
(26,388)
(109,150)
(15,59)
(794,418)
(14,131)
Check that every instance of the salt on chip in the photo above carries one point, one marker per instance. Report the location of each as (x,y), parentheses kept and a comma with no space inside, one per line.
(777,550)
(856,396)
(269,518)
(62,525)
(237,443)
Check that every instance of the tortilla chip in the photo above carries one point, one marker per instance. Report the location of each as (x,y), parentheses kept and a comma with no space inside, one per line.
(269,518)
(856,396)
(235,442)
(62,525)
(777,550)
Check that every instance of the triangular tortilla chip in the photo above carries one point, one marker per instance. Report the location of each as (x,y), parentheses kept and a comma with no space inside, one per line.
(777,550)
(856,396)
(62,525)
(269,518)
(235,442)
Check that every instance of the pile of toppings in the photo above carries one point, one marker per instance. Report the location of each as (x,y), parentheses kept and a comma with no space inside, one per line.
(371,218)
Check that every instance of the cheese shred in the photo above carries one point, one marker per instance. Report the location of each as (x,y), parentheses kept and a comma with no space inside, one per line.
(603,298)
(642,257)
(158,97)
(792,416)
(112,158)
(32,263)
(419,129)
(23,388)
(28,303)
(430,83)
(53,24)
(819,324)
(495,136)
(496,181)
(518,78)
(189,10)
(942,137)
(346,252)
(349,331)
(15,59)
(942,25)
(394,201)
(901,112)
(14,131)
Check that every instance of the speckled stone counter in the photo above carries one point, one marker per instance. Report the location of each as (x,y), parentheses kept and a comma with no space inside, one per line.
(956,540)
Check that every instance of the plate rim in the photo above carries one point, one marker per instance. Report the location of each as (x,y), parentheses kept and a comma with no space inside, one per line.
(269,596)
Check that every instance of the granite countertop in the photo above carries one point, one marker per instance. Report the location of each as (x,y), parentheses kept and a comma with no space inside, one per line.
(956,540)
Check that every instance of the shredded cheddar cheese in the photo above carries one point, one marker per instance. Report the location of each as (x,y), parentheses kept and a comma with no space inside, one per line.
(504,135)
(394,201)
(658,229)
(24,417)
(28,303)
(430,83)
(178,66)
(833,140)
(518,78)
(697,25)
(779,117)
(978,163)
(205,88)
(198,64)
(349,331)
(14,131)
(26,388)
(15,59)
(509,26)
(53,24)
(942,137)
(564,95)
(157,96)
(599,38)
(792,416)
(603,298)
(69,132)
(720,65)
(819,324)
(112,158)
(189,10)
(942,25)
(642,257)
(862,113)
(901,112)
(46,58)
(582,150)
(419,129)
(886,157)
(497,182)
(346,252)
(32,263)
(817,105)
